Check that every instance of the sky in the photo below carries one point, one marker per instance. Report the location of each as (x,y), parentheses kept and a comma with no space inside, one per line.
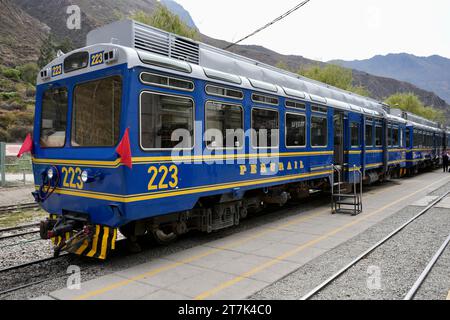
(330,29)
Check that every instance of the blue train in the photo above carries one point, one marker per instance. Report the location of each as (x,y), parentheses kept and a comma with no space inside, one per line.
(205,137)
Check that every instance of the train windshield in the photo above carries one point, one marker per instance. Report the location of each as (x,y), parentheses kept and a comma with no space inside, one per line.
(54,118)
(96,113)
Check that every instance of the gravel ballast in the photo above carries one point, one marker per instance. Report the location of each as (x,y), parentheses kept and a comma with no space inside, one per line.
(388,272)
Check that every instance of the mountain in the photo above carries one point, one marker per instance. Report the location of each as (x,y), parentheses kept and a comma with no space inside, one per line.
(178,9)
(430,73)
(21,35)
(51,15)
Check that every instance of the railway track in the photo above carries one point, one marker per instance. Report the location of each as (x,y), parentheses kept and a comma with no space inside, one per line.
(15,207)
(18,234)
(25,265)
(419,281)
(417,285)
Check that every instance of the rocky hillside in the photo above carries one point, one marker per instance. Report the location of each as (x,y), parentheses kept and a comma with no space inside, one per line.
(21,35)
(430,73)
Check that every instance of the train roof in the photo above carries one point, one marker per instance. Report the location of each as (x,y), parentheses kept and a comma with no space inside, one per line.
(142,37)
(416,121)
(140,44)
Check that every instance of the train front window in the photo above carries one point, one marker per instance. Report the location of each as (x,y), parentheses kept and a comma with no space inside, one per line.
(54,118)
(96,113)
(167,121)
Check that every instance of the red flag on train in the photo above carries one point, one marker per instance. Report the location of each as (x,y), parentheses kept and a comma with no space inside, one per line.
(27,146)
(124,150)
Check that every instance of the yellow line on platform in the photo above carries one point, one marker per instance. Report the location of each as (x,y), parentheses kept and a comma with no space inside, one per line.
(197,257)
(173,265)
(448,297)
(300,248)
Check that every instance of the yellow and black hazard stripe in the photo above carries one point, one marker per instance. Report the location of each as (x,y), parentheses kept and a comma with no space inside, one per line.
(99,246)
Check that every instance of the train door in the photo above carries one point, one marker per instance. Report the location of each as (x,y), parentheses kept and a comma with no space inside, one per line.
(354,143)
(338,123)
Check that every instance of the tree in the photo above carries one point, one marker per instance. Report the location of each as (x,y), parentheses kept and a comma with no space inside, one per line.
(282,65)
(163,19)
(47,52)
(50,48)
(334,75)
(411,103)
(28,72)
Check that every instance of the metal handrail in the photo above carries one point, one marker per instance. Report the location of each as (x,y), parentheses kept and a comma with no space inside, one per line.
(336,168)
(358,169)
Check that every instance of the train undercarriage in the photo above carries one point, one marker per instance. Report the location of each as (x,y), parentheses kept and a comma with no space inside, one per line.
(217,212)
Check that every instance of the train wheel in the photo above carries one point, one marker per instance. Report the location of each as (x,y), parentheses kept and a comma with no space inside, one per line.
(164,237)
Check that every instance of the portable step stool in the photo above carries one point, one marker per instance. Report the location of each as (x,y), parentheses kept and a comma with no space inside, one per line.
(346,202)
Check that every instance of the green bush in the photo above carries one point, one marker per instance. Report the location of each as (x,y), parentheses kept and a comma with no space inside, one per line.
(23,119)
(29,72)
(18,133)
(11,73)
(4,136)
(5,120)
(412,103)
(30,91)
(334,75)
(13,106)
(8,95)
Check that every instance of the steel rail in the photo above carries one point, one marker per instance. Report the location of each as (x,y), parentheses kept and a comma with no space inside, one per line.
(416,286)
(327,282)
(9,208)
(26,226)
(27,264)
(18,235)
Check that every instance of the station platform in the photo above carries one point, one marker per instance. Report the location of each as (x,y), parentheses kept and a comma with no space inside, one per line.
(239,265)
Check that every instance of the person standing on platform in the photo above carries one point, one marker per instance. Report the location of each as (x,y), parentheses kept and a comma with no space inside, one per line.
(445,160)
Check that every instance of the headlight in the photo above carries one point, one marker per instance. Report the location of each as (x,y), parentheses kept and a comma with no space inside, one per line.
(84,176)
(50,173)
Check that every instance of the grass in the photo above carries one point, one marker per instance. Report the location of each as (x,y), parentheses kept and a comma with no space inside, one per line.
(12,219)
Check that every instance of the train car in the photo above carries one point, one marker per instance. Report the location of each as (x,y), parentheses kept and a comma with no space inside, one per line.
(150,133)
(424,142)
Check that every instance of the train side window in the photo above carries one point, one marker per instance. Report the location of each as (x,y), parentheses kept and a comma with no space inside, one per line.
(166,82)
(96,113)
(54,118)
(378,136)
(354,134)
(265,128)
(224,92)
(224,125)
(260,98)
(389,140)
(369,135)
(416,138)
(408,138)
(295,105)
(295,130)
(167,122)
(319,131)
(395,137)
